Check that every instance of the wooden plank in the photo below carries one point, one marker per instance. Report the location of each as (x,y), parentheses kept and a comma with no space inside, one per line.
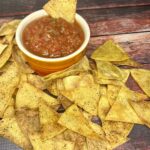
(24,7)
(117,20)
(137,45)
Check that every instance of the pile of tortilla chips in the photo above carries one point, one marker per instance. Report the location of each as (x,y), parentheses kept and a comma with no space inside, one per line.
(84,107)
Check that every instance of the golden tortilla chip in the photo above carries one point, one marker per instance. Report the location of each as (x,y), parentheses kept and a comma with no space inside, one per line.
(103,107)
(112,93)
(128,62)
(65,9)
(52,144)
(109,51)
(36,81)
(5,55)
(9,129)
(9,28)
(74,137)
(142,109)
(122,111)
(74,120)
(28,120)
(9,112)
(86,97)
(18,57)
(8,83)
(142,77)
(125,75)
(116,132)
(2,48)
(48,119)
(64,101)
(81,66)
(29,96)
(97,145)
(103,89)
(106,70)
(9,38)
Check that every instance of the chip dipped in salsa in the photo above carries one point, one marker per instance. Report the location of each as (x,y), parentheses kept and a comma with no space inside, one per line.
(52,38)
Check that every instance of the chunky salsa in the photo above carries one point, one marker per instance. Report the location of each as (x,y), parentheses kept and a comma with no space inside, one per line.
(52,38)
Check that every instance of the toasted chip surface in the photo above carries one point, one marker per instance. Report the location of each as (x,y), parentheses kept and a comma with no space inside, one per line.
(142,77)
(65,9)
(109,51)
(74,120)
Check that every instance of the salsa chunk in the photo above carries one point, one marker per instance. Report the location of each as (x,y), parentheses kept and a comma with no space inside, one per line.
(52,38)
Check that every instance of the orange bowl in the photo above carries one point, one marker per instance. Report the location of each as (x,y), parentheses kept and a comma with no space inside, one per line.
(42,65)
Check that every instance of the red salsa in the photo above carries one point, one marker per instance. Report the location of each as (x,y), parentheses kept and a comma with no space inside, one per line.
(52,38)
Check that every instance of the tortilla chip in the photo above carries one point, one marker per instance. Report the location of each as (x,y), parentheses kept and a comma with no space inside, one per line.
(2,48)
(9,28)
(103,107)
(9,129)
(75,137)
(9,112)
(64,101)
(107,70)
(5,55)
(109,51)
(52,144)
(142,77)
(112,93)
(74,120)
(65,9)
(8,80)
(116,132)
(97,145)
(28,120)
(29,96)
(48,119)
(36,81)
(81,66)
(9,38)
(18,57)
(128,62)
(125,75)
(52,87)
(103,89)
(142,109)
(122,111)
(86,97)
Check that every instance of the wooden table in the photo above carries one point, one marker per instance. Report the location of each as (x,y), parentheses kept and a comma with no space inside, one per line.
(125,21)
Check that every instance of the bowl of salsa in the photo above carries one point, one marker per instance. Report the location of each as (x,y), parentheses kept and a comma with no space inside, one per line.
(49,44)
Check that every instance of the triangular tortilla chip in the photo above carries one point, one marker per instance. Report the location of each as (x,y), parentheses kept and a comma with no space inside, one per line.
(125,75)
(81,66)
(128,62)
(74,137)
(48,119)
(52,144)
(29,96)
(85,97)
(9,28)
(112,93)
(9,112)
(109,51)
(8,83)
(143,111)
(2,48)
(116,132)
(122,111)
(103,107)
(108,71)
(5,55)
(142,77)
(28,120)
(97,145)
(65,9)
(74,120)
(9,129)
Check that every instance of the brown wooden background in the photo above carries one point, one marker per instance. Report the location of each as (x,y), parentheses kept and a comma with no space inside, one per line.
(125,21)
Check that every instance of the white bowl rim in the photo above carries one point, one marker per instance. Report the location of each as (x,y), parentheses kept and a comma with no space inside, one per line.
(31,55)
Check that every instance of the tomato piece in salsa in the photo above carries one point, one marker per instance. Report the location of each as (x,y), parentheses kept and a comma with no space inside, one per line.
(52,38)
